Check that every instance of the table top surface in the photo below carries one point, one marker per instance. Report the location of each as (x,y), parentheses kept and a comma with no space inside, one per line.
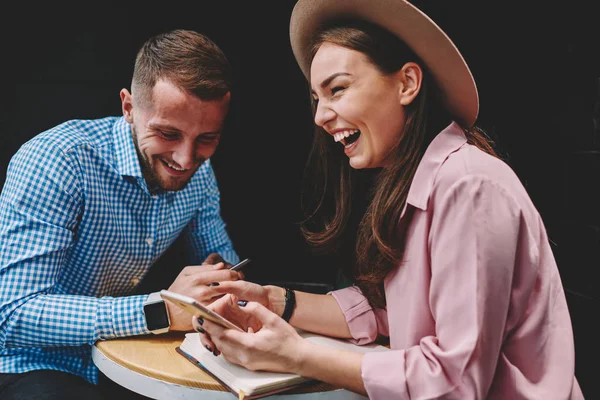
(156,356)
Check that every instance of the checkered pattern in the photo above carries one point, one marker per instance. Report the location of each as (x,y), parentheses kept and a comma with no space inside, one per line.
(78,231)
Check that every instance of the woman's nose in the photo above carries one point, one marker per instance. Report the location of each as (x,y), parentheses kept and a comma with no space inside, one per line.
(323,114)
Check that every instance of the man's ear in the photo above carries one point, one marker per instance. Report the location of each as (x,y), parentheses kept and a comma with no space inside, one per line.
(127,105)
(411,77)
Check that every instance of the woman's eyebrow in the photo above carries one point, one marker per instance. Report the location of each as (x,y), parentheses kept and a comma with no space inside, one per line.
(328,80)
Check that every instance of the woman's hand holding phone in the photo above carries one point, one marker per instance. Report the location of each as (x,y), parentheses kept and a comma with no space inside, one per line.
(197,309)
(268,343)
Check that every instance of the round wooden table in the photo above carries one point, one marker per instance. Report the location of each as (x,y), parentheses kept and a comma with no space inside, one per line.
(150,366)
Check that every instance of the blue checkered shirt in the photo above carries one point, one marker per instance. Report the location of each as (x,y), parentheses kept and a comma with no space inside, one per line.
(78,230)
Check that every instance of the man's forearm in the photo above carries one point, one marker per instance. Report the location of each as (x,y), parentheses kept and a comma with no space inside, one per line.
(66,320)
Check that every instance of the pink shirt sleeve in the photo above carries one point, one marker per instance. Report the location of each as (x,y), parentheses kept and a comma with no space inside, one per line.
(365,322)
(476,233)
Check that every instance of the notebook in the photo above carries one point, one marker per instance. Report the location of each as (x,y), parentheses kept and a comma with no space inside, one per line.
(247,384)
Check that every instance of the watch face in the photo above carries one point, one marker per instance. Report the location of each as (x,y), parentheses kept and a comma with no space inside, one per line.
(156,316)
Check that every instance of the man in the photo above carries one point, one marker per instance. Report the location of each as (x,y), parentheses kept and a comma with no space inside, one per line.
(89,205)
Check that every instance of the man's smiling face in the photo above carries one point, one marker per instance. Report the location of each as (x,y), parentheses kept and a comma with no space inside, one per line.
(174,133)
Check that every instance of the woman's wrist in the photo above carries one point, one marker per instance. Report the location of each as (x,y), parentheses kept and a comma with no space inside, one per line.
(276,297)
(302,356)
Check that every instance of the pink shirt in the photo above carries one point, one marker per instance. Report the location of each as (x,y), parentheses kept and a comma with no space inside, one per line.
(476,309)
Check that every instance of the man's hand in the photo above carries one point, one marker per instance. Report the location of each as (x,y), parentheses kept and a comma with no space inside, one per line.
(215,258)
(198,282)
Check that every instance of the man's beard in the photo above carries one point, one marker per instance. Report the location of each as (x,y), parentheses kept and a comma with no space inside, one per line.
(153,180)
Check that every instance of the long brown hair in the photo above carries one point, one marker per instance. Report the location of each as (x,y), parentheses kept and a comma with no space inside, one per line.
(348,208)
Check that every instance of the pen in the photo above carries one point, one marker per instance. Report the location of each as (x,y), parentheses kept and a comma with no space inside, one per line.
(240,265)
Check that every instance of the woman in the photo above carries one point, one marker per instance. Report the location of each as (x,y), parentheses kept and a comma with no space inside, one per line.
(452,259)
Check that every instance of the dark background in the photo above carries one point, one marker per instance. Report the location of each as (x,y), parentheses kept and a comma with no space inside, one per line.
(537,68)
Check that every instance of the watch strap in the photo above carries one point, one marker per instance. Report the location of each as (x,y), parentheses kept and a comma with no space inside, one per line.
(290,304)
(154,298)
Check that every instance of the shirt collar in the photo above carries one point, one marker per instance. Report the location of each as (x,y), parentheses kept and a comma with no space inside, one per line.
(126,157)
(445,143)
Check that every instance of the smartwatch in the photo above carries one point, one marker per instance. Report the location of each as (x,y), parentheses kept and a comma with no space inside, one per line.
(157,317)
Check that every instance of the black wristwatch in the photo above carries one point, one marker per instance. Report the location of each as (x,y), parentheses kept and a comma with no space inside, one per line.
(290,304)
(157,316)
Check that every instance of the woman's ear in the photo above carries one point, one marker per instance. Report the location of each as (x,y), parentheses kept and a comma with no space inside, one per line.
(126,105)
(411,77)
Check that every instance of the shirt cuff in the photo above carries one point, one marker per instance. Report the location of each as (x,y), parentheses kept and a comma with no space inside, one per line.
(121,317)
(358,313)
(384,376)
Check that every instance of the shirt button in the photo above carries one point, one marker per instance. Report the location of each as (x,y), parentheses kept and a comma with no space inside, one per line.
(149,241)
(135,281)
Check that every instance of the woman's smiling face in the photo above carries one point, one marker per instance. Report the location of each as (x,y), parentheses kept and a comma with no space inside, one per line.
(360,107)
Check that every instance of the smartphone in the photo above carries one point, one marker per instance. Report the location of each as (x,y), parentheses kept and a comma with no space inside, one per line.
(240,265)
(197,309)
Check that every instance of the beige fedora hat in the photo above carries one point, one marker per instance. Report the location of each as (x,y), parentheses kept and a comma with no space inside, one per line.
(416,29)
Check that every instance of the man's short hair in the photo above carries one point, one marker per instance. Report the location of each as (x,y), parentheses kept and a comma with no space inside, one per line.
(186,58)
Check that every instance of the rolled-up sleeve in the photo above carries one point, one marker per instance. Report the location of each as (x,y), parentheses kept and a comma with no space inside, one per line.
(476,233)
(364,321)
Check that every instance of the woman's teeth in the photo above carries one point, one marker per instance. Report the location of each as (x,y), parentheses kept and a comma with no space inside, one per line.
(341,135)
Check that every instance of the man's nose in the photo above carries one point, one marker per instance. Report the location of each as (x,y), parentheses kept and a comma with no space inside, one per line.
(185,155)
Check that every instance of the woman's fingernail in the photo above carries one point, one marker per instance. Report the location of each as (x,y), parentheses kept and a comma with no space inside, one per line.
(201,320)
(242,303)
(214,284)
(200,330)
(208,348)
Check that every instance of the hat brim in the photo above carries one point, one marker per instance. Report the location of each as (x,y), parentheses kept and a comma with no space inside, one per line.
(417,30)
